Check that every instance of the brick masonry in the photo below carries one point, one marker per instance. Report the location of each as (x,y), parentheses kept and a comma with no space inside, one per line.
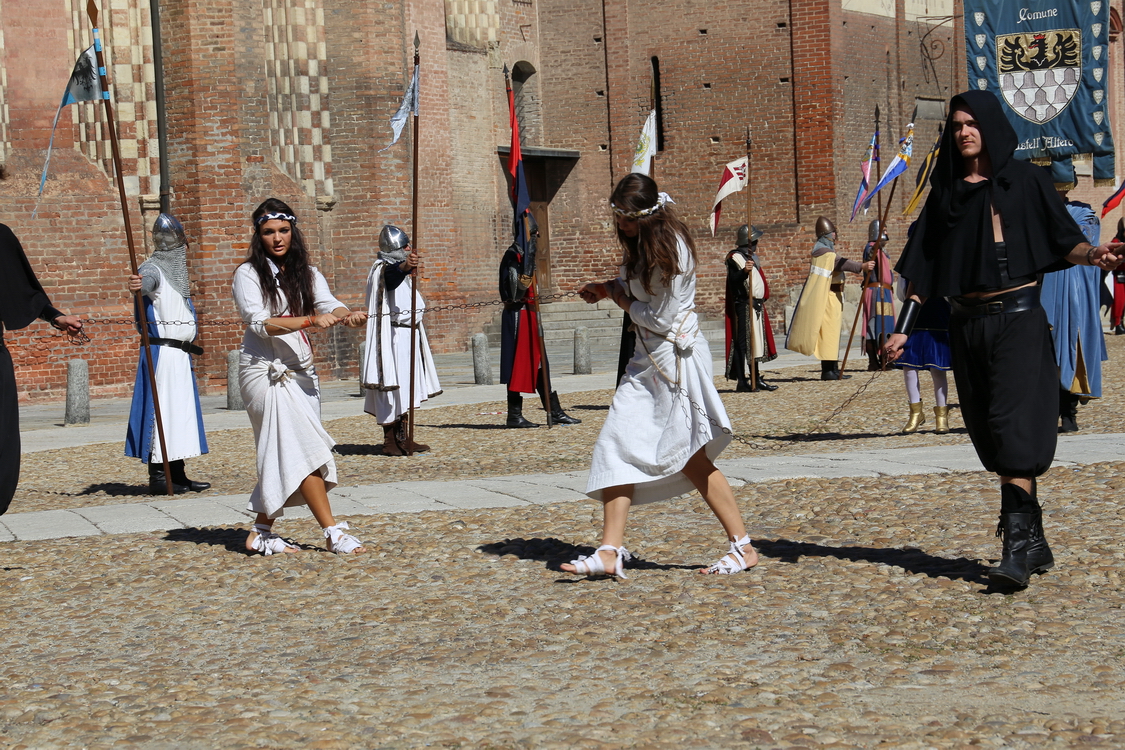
(292,98)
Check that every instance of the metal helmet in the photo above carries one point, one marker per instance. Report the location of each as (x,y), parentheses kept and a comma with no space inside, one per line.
(824,225)
(746,235)
(168,233)
(873,231)
(392,238)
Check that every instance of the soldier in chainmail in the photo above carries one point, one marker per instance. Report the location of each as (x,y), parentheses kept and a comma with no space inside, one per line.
(166,292)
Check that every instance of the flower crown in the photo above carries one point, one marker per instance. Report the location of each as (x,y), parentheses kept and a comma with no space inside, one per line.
(661,199)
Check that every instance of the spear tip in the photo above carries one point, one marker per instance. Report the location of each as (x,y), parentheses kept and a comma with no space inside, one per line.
(92,12)
(417,41)
(876,111)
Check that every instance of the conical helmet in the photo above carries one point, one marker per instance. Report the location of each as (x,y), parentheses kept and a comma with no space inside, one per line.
(168,233)
(824,225)
(392,238)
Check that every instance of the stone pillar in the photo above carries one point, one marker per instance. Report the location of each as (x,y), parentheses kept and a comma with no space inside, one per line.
(482,364)
(582,351)
(77,392)
(234,393)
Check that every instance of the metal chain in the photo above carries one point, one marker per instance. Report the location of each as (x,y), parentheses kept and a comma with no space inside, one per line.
(745,440)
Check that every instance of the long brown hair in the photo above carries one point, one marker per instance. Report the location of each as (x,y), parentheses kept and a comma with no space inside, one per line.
(655,246)
(294,276)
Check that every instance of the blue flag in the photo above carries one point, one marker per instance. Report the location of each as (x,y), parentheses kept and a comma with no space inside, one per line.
(84,86)
(1049,65)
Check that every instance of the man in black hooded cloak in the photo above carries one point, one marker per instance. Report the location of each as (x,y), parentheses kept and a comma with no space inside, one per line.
(22,300)
(991,226)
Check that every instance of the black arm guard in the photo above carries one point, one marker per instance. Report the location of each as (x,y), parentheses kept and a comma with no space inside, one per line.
(907,316)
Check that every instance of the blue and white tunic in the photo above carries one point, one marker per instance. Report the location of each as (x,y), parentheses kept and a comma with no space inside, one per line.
(170,316)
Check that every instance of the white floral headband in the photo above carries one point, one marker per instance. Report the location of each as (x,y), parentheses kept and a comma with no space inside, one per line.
(661,199)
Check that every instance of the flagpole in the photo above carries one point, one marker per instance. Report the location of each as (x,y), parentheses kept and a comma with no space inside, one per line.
(92,12)
(414,271)
(878,249)
(751,319)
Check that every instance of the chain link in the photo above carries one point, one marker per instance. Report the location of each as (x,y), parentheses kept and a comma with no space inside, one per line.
(786,442)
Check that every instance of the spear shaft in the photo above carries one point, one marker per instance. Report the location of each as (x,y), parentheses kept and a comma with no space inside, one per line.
(751,318)
(103,79)
(414,271)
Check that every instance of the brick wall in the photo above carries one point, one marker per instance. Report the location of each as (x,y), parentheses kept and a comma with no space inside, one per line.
(804,75)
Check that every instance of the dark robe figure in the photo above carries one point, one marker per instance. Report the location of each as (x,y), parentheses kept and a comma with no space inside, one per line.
(740,262)
(22,300)
(1002,351)
(521,368)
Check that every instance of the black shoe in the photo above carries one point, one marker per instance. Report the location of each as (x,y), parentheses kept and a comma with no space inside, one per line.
(1025,550)
(743,386)
(829,370)
(180,479)
(558,416)
(1068,424)
(764,386)
(1119,329)
(157,485)
(515,411)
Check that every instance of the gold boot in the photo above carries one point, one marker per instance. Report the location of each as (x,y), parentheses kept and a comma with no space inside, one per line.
(916,419)
(941,419)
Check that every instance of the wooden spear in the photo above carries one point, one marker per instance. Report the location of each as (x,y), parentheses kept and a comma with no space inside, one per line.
(863,286)
(414,271)
(751,319)
(103,78)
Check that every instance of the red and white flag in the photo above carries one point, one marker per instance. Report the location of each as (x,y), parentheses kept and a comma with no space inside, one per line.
(734,178)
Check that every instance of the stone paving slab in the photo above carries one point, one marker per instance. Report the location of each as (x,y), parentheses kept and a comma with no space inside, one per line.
(127,519)
(203,511)
(532,492)
(48,524)
(464,495)
(393,497)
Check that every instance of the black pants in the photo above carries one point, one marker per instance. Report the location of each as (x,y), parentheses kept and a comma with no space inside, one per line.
(1008,386)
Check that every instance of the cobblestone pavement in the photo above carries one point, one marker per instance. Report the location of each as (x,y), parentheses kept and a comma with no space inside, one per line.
(869,621)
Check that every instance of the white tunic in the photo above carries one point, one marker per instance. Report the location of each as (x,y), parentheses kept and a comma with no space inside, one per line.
(655,423)
(386,363)
(170,316)
(282,396)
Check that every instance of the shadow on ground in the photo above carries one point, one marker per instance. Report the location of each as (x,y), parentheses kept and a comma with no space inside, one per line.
(910,559)
(234,540)
(555,552)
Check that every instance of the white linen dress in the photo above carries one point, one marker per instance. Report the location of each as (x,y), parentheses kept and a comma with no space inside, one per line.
(282,396)
(659,415)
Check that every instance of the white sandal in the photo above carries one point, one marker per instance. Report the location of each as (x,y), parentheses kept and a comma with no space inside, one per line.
(269,543)
(592,565)
(339,542)
(733,561)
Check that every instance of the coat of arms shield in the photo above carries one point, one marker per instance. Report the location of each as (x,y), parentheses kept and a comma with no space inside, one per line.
(1039,71)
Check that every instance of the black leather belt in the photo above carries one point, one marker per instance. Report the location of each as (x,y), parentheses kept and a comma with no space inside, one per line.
(1019,300)
(186,346)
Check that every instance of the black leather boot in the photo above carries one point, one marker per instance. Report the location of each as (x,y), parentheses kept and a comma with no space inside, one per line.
(1068,411)
(515,411)
(1025,550)
(1119,329)
(179,477)
(156,483)
(558,416)
(763,385)
(829,369)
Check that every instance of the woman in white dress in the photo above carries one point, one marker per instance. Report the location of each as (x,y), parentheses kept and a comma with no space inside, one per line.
(666,423)
(281,298)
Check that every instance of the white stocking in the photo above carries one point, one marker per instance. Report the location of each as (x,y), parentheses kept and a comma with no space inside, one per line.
(910,376)
(941,386)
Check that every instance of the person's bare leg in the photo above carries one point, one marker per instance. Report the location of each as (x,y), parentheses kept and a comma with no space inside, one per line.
(615,511)
(716,491)
(316,495)
(263,520)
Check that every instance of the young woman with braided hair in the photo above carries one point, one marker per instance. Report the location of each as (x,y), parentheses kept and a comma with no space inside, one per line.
(666,423)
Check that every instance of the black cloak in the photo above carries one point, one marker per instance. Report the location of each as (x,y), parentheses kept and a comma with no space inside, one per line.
(952,250)
(22,300)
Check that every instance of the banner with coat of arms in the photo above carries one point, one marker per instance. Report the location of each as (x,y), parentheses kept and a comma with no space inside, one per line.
(1048,60)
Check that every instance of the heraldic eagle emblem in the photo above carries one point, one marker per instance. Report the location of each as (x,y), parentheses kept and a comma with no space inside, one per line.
(1039,71)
